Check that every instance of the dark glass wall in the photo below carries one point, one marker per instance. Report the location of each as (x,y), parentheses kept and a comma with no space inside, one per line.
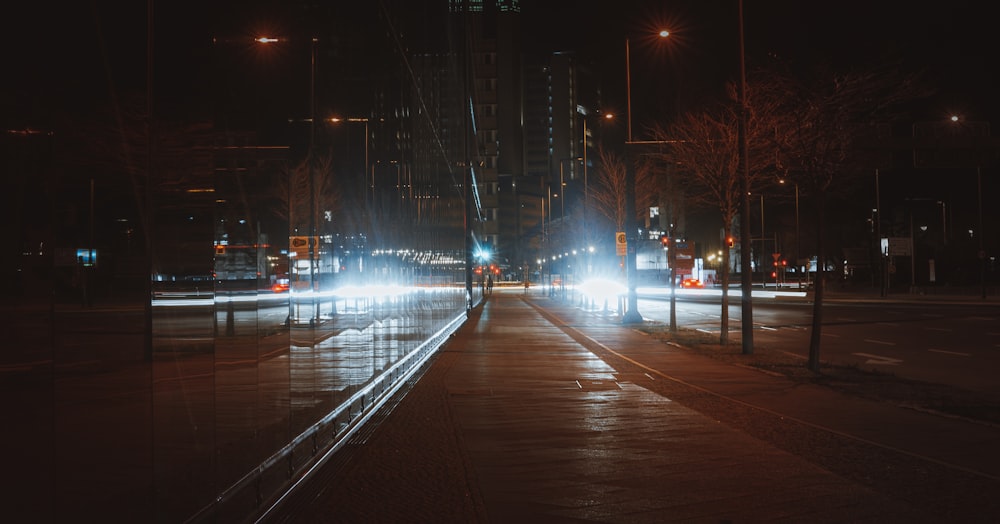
(192,371)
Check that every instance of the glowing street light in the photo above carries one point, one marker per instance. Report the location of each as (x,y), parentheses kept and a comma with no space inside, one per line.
(313,204)
(628,84)
(632,315)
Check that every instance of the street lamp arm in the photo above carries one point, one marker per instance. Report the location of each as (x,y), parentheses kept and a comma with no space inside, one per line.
(337,119)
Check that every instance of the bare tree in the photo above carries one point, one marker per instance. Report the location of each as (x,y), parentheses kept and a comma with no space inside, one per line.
(609,195)
(671,201)
(296,192)
(703,147)
(819,147)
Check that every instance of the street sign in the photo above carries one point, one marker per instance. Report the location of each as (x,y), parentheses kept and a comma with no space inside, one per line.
(299,246)
(620,243)
(684,258)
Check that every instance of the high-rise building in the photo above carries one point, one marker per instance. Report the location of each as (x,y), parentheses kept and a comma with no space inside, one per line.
(467,104)
(508,117)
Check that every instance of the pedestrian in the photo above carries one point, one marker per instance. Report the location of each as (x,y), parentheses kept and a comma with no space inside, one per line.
(489,285)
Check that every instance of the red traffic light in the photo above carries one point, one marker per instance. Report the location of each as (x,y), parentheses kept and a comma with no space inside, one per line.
(665,240)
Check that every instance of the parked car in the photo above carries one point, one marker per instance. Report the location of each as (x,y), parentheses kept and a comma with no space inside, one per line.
(281,286)
(692,283)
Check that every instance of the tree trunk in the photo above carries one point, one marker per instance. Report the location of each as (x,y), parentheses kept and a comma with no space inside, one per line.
(819,285)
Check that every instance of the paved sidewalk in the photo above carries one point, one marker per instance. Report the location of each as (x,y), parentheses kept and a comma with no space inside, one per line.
(521,418)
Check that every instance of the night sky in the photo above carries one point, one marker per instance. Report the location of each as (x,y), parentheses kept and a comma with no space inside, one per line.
(57,58)
(71,60)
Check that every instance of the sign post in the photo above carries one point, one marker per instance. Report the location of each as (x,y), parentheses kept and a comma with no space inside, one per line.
(621,244)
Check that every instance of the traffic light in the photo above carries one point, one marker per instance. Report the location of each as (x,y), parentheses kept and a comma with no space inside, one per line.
(730,242)
(665,240)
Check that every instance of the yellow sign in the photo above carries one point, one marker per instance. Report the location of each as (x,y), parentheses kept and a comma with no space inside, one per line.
(298,246)
(620,243)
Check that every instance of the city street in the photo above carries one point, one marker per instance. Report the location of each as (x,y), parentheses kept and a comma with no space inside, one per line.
(956,343)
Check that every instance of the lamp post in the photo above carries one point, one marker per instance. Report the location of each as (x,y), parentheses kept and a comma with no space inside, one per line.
(980,129)
(631,315)
(797,239)
(746,282)
(313,205)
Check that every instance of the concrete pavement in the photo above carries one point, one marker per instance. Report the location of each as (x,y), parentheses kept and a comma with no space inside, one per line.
(538,412)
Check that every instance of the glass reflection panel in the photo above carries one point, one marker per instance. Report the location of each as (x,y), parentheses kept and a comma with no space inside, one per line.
(154,378)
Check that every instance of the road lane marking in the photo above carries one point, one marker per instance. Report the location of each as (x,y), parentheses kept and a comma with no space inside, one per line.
(890,324)
(937,329)
(945,351)
(883,342)
(879,359)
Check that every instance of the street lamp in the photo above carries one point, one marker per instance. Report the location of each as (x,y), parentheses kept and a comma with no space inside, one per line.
(979,204)
(663,33)
(632,315)
(267,40)
(746,283)
(797,238)
(313,204)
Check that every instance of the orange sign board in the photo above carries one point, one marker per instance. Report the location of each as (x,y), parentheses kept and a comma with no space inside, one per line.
(298,246)
(620,243)
(684,257)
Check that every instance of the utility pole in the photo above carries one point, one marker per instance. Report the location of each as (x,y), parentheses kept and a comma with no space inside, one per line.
(746,282)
